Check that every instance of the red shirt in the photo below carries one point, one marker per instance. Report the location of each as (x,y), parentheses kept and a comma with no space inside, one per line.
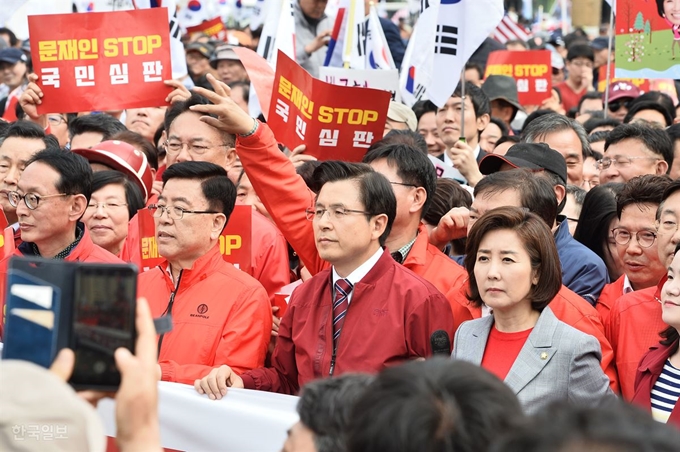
(570,99)
(502,349)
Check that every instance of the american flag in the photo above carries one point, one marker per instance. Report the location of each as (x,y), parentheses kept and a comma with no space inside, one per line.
(509,30)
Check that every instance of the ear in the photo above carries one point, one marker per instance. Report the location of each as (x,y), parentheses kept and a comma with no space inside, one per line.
(219,221)
(483,121)
(661,167)
(560,193)
(535,276)
(379,223)
(77,208)
(419,199)
(230,158)
(153,174)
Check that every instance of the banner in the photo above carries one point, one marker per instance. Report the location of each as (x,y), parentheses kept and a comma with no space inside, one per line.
(641,83)
(647,39)
(243,420)
(235,241)
(332,121)
(122,64)
(213,27)
(387,80)
(531,70)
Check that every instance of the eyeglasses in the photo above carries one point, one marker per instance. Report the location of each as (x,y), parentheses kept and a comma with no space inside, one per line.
(578,63)
(56,120)
(174,213)
(403,184)
(335,213)
(30,199)
(175,147)
(619,162)
(617,104)
(644,238)
(105,205)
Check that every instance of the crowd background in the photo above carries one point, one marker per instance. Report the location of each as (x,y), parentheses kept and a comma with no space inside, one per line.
(538,268)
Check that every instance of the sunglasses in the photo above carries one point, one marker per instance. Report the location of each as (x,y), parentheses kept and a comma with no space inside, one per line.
(616,105)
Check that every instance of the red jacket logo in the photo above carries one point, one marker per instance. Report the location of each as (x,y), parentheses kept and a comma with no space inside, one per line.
(202,308)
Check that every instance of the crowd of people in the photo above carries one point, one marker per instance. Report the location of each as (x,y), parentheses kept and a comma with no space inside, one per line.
(528,301)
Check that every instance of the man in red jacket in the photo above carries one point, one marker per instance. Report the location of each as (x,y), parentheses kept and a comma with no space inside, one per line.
(364,313)
(51,197)
(220,315)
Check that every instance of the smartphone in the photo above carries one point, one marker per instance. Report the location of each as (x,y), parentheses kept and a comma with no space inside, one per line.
(104,304)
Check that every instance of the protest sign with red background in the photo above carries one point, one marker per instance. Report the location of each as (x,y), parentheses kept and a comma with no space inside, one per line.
(213,27)
(641,83)
(235,241)
(335,122)
(101,61)
(531,70)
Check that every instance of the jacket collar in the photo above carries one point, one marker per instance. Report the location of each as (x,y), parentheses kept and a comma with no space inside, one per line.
(418,254)
(562,235)
(655,359)
(80,252)
(202,266)
(378,271)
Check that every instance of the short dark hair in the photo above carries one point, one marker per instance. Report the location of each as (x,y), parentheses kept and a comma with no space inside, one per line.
(535,193)
(590,95)
(325,407)
(647,189)
(656,140)
(102,123)
(423,106)
(184,106)
(501,125)
(133,195)
(479,99)
(404,137)
(577,192)
(580,51)
(536,238)
(413,167)
(536,131)
(593,123)
(140,143)
(448,194)
(658,98)
(306,171)
(673,132)
(13,40)
(75,172)
(511,138)
(648,105)
(615,426)
(597,212)
(476,67)
(431,406)
(217,189)
(375,190)
(594,137)
(245,87)
(31,130)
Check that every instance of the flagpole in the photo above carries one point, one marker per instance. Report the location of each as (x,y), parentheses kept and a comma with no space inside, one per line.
(609,56)
(462,107)
(348,36)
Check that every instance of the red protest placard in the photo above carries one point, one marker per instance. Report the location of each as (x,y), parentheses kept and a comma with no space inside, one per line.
(261,76)
(531,70)
(235,241)
(213,27)
(7,242)
(101,61)
(335,122)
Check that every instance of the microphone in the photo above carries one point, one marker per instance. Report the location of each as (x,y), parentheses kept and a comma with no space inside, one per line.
(440,343)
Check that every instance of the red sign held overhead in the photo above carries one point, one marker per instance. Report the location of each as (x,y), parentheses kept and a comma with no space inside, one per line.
(531,70)
(101,61)
(213,27)
(335,122)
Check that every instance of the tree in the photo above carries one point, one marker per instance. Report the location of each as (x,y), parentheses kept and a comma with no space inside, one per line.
(639,21)
(648,30)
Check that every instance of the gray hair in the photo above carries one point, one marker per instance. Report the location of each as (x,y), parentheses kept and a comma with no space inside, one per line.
(537,129)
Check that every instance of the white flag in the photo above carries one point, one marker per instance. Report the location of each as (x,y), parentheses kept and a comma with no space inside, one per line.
(445,37)
(259,15)
(278,32)
(378,55)
(177,55)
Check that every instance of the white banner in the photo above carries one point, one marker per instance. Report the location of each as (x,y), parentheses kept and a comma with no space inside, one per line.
(387,80)
(242,421)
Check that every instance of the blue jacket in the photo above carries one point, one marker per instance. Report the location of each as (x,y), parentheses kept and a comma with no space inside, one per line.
(394,41)
(582,270)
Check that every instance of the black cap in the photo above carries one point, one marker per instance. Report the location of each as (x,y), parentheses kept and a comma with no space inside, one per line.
(601,43)
(533,156)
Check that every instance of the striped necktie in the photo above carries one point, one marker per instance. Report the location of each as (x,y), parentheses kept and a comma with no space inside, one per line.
(340,305)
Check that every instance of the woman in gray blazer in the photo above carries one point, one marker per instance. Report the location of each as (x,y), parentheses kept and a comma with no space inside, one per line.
(515,271)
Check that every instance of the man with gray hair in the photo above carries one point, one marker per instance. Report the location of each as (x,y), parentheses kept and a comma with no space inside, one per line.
(566,136)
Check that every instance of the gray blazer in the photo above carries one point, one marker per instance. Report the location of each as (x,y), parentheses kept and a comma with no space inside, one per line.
(557,362)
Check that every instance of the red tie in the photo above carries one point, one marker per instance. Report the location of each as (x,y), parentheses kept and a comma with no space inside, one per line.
(342,289)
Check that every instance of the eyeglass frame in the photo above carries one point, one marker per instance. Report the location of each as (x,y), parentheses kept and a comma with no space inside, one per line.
(105,205)
(600,166)
(630,236)
(58,119)
(38,198)
(153,208)
(311,214)
(184,144)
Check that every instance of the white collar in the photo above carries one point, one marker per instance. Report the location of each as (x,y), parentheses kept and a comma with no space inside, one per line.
(361,271)
(627,288)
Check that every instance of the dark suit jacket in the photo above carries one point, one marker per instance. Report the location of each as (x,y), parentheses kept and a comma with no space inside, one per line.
(394,41)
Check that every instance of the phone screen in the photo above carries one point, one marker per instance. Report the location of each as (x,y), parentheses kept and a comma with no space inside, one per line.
(103,320)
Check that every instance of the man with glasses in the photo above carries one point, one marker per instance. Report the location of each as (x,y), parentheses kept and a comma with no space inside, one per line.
(50,199)
(364,313)
(635,150)
(220,314)
(580,59)
(621,94)
(634,322)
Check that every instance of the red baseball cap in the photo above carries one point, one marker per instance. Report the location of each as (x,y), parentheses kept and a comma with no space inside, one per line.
(622,89)
(121,156)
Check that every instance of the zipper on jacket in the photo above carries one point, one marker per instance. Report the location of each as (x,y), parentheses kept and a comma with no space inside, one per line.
(168,309)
